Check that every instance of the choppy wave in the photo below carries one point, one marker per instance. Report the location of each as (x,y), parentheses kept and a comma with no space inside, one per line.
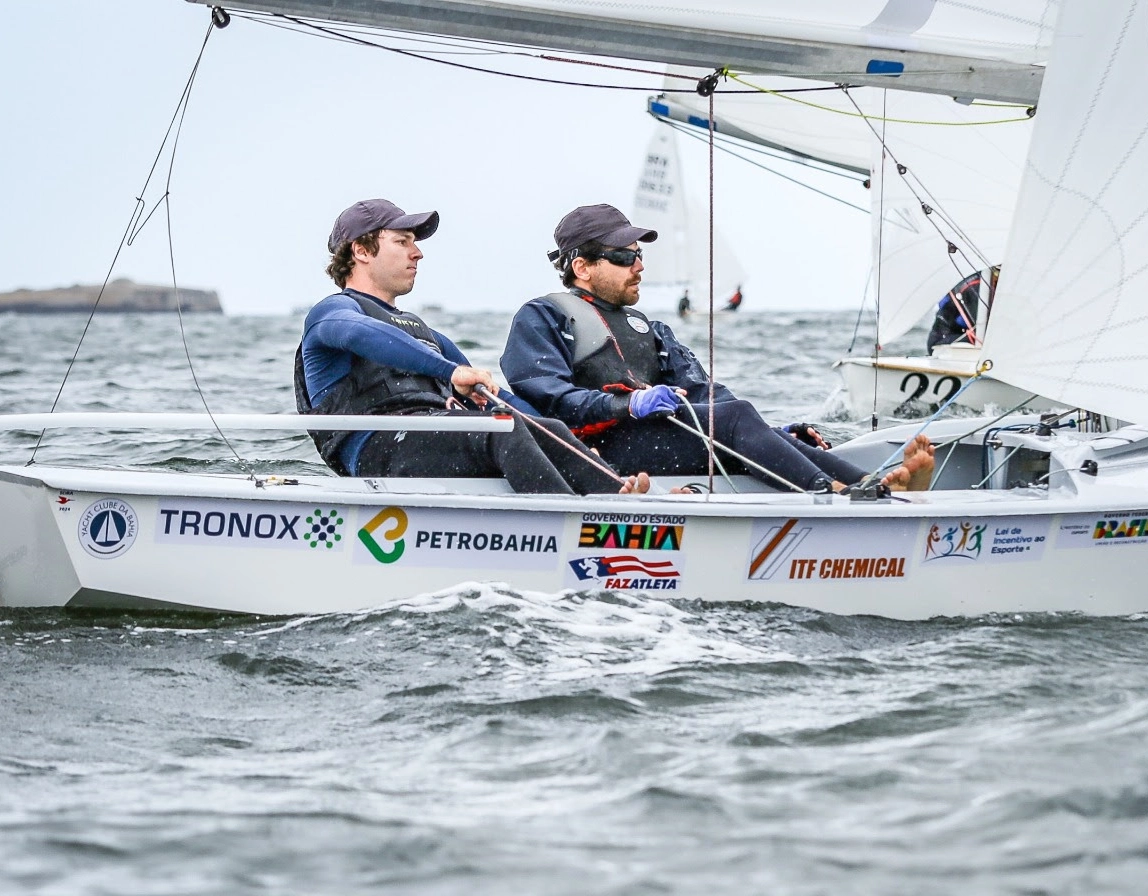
(487,740)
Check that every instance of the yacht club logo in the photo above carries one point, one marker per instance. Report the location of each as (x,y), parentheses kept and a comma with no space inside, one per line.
(108,528)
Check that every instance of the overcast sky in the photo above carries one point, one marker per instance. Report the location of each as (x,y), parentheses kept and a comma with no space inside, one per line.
(285,130)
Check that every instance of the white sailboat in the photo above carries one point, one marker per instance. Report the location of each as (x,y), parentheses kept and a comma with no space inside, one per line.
(678,263)
(1024,513)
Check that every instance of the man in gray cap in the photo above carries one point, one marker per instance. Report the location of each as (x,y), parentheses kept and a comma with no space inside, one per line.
(360,354)
(589,358)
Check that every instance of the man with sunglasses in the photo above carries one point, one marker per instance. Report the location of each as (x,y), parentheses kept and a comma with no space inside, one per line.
(360,354)
(590,359)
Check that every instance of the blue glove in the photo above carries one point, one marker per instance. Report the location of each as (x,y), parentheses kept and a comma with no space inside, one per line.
(656,401)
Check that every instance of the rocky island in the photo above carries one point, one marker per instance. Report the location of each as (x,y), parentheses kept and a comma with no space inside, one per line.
(120,295)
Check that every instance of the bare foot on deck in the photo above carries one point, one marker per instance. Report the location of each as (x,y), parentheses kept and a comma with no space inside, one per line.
(916,471)
(635,485)
(641,484)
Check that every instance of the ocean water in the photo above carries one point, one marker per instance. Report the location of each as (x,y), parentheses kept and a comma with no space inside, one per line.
(488,741)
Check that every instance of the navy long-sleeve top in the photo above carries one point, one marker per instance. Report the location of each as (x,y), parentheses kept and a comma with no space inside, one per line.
(336,330)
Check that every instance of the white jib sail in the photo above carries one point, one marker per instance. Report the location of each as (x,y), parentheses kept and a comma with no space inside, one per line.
(1070,319)
(966,171)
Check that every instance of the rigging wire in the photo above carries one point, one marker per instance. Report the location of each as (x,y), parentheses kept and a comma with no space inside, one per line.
(859,114)
(136,223)
(319,30)
(860,311)
(690,132)
(902,170)
(873,420)
(706,87)
(730,144)
(349,33)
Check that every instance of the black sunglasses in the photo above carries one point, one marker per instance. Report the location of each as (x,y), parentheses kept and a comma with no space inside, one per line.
(624,258)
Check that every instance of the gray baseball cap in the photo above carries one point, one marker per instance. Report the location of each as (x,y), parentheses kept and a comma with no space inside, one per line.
(603,223)
(371,214)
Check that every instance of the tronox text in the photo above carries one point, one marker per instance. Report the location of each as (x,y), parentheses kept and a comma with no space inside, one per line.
(217,524)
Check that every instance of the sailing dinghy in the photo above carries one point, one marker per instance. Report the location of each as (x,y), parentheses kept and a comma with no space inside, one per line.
(1026,514)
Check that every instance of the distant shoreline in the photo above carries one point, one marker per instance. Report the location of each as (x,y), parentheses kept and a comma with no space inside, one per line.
(119,296)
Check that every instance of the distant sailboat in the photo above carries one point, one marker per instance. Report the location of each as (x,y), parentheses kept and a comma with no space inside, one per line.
(678,262)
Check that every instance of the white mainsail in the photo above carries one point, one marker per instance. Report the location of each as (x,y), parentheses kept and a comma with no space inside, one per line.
(1070,319)
(680,257)
(978,48)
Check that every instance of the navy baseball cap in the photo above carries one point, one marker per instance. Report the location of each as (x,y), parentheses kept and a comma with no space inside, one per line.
(603,223)
(372,214)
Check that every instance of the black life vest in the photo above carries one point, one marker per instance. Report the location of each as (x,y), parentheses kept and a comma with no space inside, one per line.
(613,346)
(372,388)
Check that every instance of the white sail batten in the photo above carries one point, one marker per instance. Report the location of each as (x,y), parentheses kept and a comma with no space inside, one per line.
(279,422)
(1070,318)
(990,50)
(679,258)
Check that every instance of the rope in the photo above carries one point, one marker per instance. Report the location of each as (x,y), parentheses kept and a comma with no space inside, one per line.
(334,34)
(891,459)
(526,418)
(860,114)
(710,398)
(952,443)
(133,229)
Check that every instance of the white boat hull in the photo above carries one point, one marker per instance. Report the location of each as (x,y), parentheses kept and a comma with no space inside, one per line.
(122,539)
(903,384)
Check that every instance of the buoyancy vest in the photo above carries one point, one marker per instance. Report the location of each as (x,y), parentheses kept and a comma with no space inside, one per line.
(613,348)
(372,388)
(612,345)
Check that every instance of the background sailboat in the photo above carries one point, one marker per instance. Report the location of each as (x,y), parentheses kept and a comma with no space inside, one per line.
(678,262)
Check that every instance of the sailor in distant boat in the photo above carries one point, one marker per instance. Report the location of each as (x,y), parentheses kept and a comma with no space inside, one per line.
(956,318)
(590,359)
(684,308)
(734,301)
(361,355)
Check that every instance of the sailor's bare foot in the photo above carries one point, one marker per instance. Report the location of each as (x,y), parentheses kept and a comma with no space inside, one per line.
(635,485)
(916,471)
